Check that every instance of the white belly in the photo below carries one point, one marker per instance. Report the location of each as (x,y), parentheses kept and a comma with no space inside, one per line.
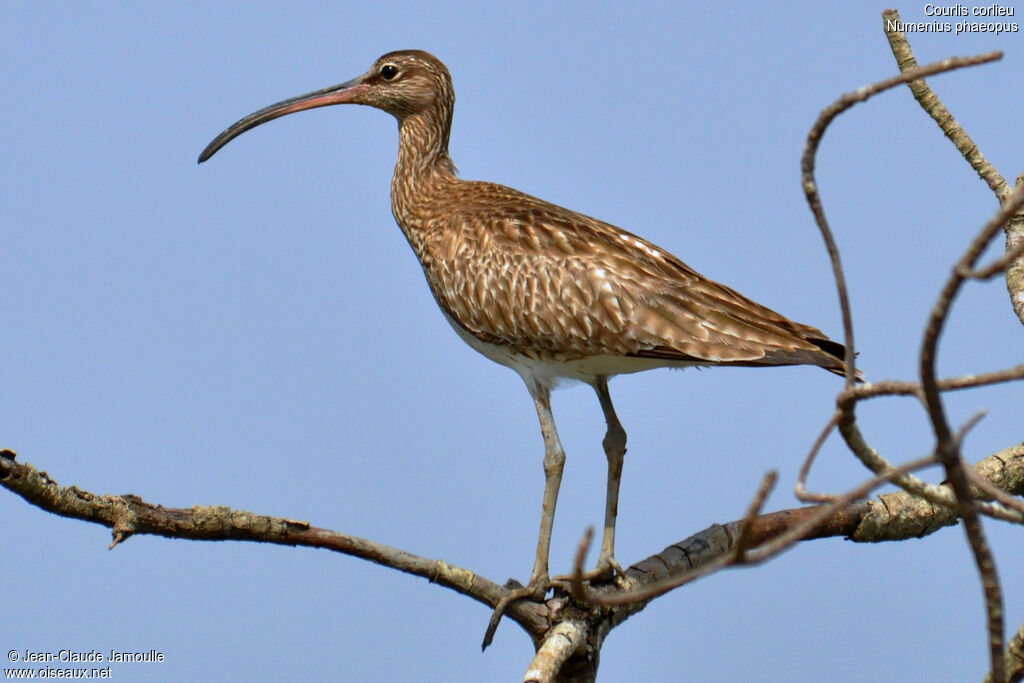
(549,368)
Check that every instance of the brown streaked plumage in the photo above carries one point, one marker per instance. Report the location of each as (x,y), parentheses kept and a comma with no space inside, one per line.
(544,290)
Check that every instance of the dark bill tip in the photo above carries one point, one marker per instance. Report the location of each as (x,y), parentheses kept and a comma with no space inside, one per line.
(336,94)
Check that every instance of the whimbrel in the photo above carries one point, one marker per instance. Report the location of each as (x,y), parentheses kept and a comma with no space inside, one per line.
(546,291)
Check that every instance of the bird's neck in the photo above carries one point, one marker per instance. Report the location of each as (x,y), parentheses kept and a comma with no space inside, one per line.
(423,143)
(424,171)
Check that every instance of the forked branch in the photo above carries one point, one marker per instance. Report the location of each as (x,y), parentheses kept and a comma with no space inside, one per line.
(1012,262)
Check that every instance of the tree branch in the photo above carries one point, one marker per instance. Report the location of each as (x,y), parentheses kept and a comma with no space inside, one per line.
(565,640)
(1013,262)
(934,107)
(892,517)
(810,184)
(947,447)
(869,390)
(128,515)
(568,633)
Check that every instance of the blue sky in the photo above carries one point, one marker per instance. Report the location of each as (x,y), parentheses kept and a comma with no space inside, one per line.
(254,332)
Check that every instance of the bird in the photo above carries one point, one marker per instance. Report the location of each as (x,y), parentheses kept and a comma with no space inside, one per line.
(548,292)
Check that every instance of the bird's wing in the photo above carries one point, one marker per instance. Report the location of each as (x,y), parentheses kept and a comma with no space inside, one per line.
(519,271)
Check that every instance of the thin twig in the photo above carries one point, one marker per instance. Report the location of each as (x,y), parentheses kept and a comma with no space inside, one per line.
(895,388)
(847,399)
(895,516)
(930,102)
(800,490)
(810,184)
(576,584)
(1013,262)
(947,449)
(869,390)
(847,422)
(753,512)
(997,266)
(966,428)
(933,493)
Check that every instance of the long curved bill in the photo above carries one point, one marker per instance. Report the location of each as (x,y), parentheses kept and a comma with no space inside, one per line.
(336,94)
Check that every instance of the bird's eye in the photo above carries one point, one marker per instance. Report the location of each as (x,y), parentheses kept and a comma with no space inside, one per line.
(388,71)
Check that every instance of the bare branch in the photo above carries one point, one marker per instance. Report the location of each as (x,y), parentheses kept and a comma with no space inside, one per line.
(892,517)
(987,490)
(947,448)
(1013,261)
(726,556)
(874,461)
(1014,658)
(753,512)
(895,516)
(1015,268)
(895,388)
(847,422)
(930,102)
(966,428)
(128,515)
(566,639)
(899,515)
(940,312)
(810,184)
(576,587)
(997,266)
(800,490)
(868,390)
(932,493)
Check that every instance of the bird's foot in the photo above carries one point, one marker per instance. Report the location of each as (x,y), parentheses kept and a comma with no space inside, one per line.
(537,589)
(607,568)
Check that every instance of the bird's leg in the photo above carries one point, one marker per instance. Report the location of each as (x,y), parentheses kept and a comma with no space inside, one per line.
(554,463)
(615,450)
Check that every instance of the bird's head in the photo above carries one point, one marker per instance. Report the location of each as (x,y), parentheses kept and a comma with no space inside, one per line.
(402,83)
